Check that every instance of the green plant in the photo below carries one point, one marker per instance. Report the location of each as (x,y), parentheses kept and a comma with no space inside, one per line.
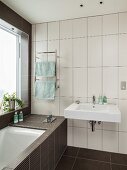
(6,101)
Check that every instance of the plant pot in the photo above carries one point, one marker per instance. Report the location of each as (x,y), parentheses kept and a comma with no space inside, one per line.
(12,104)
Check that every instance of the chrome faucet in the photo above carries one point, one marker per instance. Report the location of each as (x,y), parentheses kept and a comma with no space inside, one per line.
(94,99)
(77,101)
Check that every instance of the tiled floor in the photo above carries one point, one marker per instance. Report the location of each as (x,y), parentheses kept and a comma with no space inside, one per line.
(86,159)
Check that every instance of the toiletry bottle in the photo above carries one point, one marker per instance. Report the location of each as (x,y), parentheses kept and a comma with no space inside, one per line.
(20,116)
(105,100)
(100,100)
(15,117)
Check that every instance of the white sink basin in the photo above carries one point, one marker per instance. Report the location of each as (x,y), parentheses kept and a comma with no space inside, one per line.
(88,111)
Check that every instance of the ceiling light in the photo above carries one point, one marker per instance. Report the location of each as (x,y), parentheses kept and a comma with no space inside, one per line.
(81,5)
(101,2)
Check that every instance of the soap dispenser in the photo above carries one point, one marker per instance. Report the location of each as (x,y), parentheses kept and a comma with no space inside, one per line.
(15,117)
(100,100)
(20,116)
(105,100)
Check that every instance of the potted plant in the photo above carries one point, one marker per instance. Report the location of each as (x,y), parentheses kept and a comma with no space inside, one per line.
(9,102)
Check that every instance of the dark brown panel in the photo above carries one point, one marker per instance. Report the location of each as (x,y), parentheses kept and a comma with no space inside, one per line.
(94,154)
(45,155)
(35,161)
(119,158)
(71,151)
(16,20)
(24,165)
(118,167)
(51,147)
(66,163)
(84,164)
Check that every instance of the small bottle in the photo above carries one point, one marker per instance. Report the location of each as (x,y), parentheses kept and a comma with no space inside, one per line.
(20,116)
(15,117)
(105,100)
(100,100)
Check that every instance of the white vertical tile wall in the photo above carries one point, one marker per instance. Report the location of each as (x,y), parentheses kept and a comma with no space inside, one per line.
(93,61)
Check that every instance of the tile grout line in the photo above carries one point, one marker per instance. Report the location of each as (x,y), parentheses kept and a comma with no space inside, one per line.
(59,70)
(75,159)
(102,77)
(118,79)
(87,79)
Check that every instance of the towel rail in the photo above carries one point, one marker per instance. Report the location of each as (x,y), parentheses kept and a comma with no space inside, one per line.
(56,57)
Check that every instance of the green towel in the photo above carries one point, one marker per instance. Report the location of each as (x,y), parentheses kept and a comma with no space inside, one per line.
(46,69)
(45,89)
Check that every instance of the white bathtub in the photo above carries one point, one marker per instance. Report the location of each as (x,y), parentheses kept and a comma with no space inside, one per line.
(14,140)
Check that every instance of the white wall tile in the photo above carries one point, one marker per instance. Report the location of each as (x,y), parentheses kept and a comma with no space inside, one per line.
(95,139)
(123,50)
(80,82)
(66,82)
(123,109)
(80,123)
(110,82)
(122,77)
(41,32)
(53,31)
(94,51)
(74,60)
(33,32)
(33,59)
(110,141)
(80,133)
(110,24)
(45,108)
(94,81)
(94,26)
(66,53)
(110,126)
(123,142)
(82,100)
(53,45)
(69,122)
(41,47)
(80,52)
(110,50)
(79,27)
(64,103)
(69,136)
(123,22)
(66,29)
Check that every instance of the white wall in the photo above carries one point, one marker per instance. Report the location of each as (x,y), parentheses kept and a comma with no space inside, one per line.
(93,61)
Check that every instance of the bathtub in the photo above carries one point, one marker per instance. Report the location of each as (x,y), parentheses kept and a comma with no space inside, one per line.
(14,140)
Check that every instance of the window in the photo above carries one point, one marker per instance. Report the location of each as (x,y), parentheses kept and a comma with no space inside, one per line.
(8,60)
(14,61)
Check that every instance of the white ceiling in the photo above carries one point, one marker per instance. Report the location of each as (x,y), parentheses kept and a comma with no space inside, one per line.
(38,11)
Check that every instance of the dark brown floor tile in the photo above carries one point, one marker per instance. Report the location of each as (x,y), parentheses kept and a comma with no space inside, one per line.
(94,154)
(71,151)
(83,164)
(65,163)
(119,158)
(118,167)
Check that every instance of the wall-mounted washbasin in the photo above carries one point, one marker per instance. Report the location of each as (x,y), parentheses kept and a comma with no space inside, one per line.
(88,111)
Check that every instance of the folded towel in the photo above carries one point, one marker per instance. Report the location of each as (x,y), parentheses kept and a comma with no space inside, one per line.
(45,89)
(46,69)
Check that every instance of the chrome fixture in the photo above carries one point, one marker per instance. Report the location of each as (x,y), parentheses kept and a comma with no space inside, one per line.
(77,101)
(93,123)
(94,99)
